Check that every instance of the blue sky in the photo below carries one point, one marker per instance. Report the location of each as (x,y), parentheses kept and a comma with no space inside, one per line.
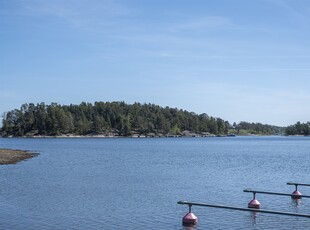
(239,60)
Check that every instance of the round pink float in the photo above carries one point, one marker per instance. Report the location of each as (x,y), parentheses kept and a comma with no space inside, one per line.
(296,195)
(190,219)
(254,204)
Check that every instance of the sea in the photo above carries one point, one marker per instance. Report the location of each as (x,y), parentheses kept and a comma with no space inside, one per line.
(136,183)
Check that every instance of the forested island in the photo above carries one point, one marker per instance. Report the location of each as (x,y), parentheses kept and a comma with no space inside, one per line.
(298,129)
(119,119)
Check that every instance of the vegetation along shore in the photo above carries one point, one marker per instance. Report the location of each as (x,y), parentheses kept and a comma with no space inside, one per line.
(118,119)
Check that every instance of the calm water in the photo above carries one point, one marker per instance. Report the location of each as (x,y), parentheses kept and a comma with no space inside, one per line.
(135,183)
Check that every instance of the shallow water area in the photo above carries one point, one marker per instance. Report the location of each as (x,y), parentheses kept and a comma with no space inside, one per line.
(127,183)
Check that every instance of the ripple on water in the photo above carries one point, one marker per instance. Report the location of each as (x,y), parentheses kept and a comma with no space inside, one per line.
(135,184)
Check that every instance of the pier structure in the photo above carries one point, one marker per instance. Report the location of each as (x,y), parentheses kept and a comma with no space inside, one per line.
(253,206)
(191,219)
(255,203)
(296,194)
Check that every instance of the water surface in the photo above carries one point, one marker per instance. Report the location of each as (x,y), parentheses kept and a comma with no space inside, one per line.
(102,183)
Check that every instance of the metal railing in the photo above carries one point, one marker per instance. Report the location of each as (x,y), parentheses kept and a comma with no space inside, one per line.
(242,209)
(191,219)
(293,183)
(274,193)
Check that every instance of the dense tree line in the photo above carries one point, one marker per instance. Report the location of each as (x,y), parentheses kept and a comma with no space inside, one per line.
(258,129)
(298,129)
(104,117)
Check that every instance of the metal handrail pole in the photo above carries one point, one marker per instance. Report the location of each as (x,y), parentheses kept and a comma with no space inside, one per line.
(274,193)
(245,209)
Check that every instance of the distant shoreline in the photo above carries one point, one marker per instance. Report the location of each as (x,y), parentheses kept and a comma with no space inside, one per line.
(13,156)
(119,136)
(140,136)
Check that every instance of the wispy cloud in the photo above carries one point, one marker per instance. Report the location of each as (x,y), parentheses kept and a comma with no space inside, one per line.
(289,8)
(258,70)
(203,23)
(168,54)
(82,13)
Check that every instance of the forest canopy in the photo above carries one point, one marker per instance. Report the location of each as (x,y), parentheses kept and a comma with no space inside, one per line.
(298,129)
(118,119)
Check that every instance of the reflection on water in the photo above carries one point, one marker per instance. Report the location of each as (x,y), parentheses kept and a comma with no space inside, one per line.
(135,183)
(296,202)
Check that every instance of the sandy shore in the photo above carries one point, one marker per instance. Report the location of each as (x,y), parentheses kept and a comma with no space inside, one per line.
(11,156)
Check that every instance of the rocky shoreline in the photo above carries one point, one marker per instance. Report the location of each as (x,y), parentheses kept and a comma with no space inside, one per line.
(185,133)
(12,156)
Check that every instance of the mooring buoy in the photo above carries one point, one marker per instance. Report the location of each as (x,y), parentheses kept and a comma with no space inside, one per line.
(190,218)
(296,195)
(254,204)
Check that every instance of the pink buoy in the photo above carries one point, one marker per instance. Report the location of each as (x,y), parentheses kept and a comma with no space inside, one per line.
(254,204)
(190,219)
(296,194)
